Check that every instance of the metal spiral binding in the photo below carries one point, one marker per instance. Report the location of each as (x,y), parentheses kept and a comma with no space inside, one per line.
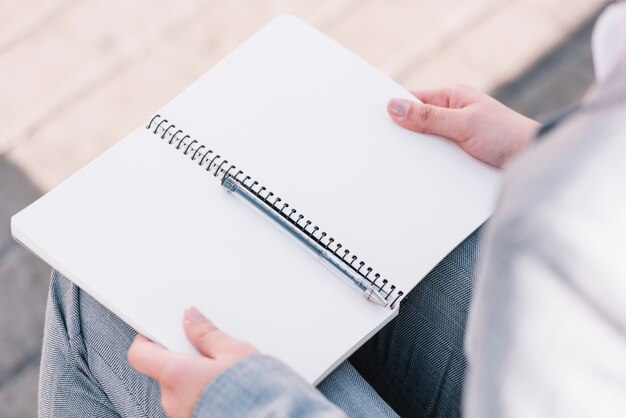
(219,166)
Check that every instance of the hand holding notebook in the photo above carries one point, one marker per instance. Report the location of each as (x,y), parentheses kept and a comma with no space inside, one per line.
(147,229)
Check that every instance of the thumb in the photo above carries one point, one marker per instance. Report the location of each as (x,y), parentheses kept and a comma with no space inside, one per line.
(147,357)
(427,118)
(203,334)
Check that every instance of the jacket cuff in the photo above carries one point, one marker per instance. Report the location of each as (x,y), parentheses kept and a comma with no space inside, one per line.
(259,386)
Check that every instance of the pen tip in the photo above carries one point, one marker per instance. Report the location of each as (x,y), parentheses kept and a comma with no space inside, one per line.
(376,298)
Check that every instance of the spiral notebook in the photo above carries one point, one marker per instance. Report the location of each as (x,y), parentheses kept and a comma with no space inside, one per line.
(147,229)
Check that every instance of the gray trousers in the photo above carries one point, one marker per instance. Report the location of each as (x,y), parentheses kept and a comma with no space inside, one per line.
(415,366)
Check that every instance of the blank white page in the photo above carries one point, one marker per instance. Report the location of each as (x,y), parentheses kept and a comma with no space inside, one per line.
(148,233)
(307,118)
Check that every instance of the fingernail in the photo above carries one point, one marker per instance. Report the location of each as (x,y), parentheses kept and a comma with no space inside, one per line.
(398,107)
(192,314)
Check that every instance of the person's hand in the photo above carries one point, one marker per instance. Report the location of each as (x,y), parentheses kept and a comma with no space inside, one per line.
(479,124)
(183,377)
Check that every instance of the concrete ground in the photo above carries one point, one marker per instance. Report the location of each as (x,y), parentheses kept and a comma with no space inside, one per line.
(76,76)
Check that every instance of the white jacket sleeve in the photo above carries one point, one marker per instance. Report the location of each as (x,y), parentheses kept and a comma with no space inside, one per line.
(547,329)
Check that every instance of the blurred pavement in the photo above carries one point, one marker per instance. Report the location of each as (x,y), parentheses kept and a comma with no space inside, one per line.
(76,76)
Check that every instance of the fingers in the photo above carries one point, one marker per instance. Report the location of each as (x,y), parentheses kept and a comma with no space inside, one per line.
(428,118)
(203,334)
(147,357)
(438,97)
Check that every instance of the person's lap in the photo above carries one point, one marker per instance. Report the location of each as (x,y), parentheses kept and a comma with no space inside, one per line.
(416,363)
